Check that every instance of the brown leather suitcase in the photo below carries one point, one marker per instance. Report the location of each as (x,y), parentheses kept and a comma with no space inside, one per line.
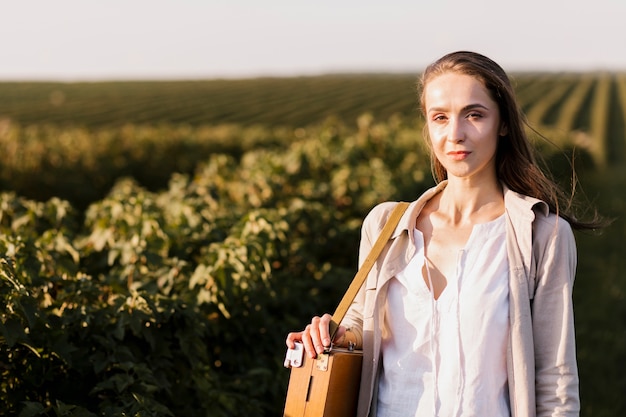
(327,386)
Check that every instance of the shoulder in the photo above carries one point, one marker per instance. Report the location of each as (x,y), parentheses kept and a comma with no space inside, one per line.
(551,227)
(523,206)
(384,213)
(377,217)
(546,225)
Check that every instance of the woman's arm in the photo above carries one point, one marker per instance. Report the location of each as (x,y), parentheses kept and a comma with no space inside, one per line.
(556,371)
(316,336)
(372,226)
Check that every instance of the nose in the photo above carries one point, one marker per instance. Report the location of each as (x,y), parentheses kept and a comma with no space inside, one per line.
(456,132)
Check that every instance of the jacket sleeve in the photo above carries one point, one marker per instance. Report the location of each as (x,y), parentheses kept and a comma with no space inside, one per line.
(556,370)
(370,229)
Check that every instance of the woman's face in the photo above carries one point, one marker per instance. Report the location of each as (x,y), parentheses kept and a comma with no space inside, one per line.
(463,124)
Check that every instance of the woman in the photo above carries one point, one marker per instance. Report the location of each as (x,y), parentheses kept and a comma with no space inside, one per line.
(468,311)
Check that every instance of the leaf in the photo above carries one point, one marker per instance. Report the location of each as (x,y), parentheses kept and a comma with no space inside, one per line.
(13,331)
(31,312)
(122,381)
(31,409)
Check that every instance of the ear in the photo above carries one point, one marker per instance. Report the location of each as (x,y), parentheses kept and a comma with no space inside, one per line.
(503,130)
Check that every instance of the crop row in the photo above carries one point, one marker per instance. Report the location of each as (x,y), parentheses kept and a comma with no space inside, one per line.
(289,101)
(593,105)
(81,165)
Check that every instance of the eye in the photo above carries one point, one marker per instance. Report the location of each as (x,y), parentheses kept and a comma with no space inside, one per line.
(474,115)
(439,118)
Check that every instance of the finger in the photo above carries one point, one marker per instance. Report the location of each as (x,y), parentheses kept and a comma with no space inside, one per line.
(292,338)
(324,329)
(308,343)
(314,331)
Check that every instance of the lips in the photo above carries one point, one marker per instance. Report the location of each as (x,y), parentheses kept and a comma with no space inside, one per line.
(458,155)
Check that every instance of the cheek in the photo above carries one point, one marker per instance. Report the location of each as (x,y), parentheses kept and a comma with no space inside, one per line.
(436,138)
(434,134)
(493,138)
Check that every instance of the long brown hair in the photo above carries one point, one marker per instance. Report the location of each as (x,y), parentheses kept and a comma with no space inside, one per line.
(516,158)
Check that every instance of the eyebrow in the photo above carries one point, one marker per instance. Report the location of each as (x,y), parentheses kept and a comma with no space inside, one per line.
(464,109)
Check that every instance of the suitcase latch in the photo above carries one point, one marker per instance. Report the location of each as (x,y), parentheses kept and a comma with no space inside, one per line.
(321,363)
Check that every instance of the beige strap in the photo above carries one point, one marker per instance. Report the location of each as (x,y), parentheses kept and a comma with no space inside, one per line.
(361,274)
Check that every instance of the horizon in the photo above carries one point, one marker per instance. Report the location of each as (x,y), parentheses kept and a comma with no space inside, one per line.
(236,77)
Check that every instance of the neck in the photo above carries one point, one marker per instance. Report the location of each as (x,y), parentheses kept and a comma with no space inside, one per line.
(464,201)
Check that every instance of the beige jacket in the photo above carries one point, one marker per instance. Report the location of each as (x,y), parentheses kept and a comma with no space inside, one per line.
(541,357)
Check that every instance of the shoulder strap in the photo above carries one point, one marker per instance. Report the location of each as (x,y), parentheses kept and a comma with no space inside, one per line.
(361,274)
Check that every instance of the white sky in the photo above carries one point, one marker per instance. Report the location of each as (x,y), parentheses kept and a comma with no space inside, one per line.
(168,39)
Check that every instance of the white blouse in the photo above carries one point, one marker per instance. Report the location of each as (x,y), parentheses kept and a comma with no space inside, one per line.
(447,357)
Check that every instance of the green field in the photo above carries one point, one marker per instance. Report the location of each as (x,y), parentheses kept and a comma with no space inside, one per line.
(591,103)
(160,238)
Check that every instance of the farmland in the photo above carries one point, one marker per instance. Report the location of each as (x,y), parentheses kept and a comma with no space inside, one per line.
(584,102)
(160,238)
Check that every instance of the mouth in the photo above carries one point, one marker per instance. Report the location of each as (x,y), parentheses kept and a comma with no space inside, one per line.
(458,155)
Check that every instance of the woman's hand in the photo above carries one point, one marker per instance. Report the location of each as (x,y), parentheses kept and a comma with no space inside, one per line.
(316,336)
